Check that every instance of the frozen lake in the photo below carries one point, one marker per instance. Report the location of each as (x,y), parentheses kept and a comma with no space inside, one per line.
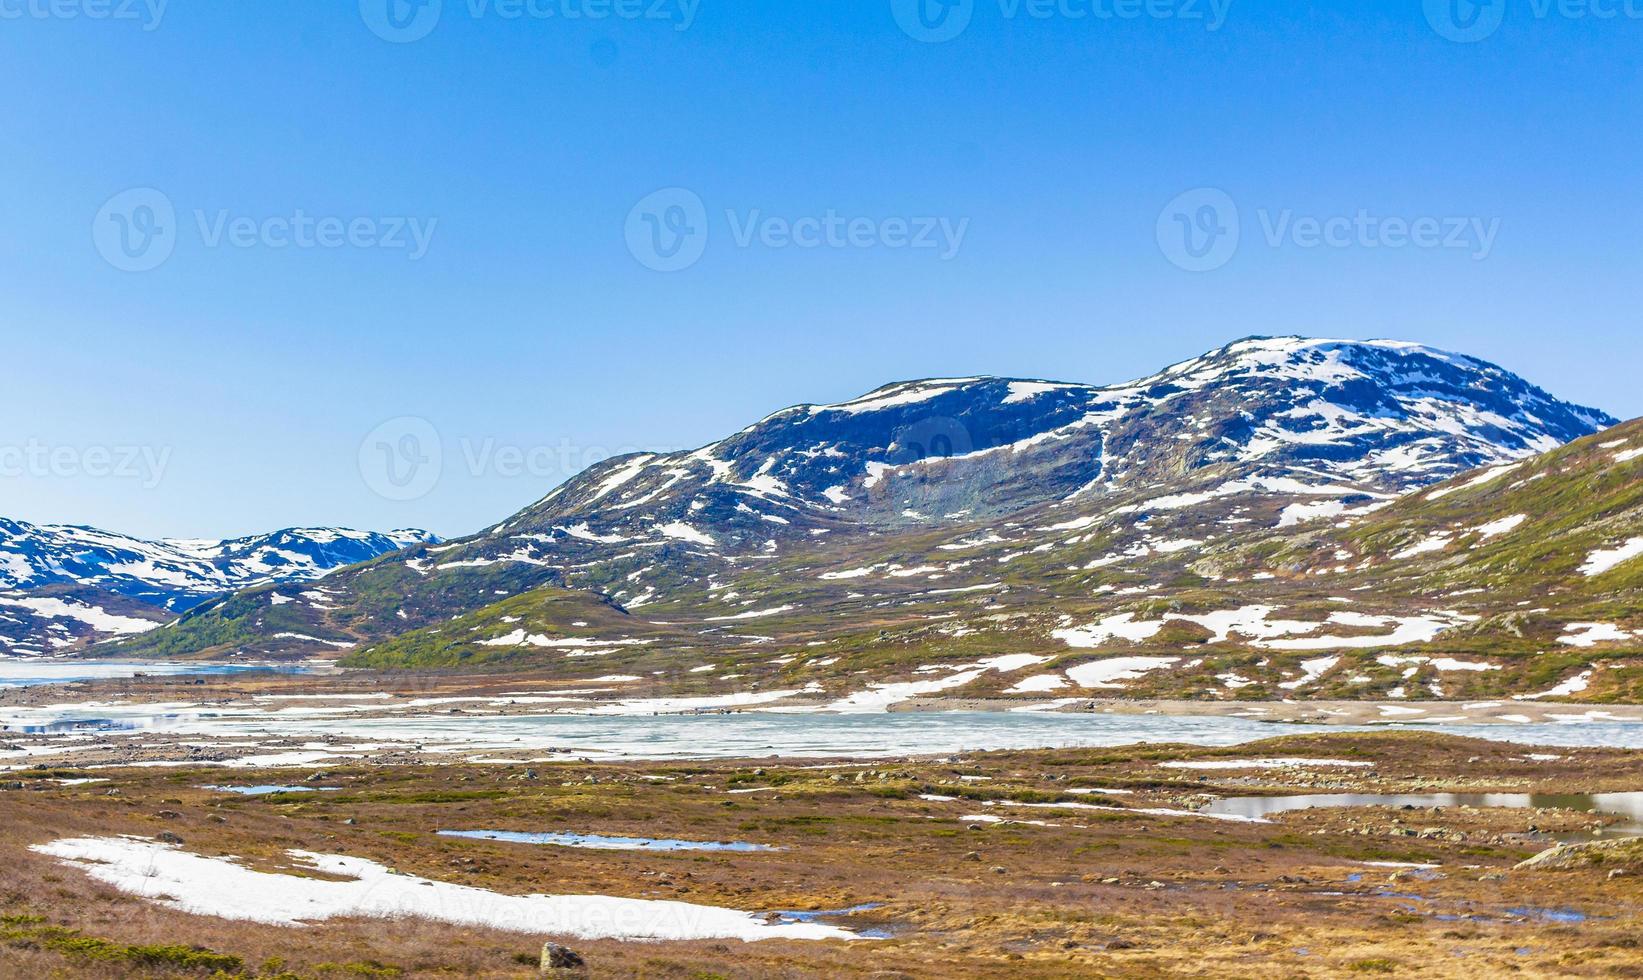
(343,726)
(751,735)
(29,673)
(756,735)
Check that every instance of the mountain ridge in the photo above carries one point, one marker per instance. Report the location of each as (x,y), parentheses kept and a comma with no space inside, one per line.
(943,498)
(63,585)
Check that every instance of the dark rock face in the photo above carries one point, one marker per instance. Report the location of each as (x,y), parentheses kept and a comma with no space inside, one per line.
(557,958)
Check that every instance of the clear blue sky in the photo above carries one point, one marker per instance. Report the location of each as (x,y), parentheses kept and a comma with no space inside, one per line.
(527,140)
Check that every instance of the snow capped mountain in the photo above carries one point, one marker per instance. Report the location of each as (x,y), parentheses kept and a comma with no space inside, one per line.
(1378,417)
(179,574)
(956,480)
(60,585)
(1378,411)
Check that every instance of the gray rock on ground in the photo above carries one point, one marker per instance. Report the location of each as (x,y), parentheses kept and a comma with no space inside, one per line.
(559,959)
(1606,853)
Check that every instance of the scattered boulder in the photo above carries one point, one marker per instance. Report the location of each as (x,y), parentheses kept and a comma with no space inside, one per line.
(169,838)
(557,958)
(1625,854)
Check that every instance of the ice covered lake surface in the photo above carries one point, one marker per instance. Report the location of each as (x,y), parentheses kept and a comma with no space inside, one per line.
(754,735)
(347,726)
(29,673)
(751,735)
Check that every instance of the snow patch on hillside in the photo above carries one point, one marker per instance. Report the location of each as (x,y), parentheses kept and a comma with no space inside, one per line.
(91,616)
(1591,634)
(1113,672)
(1253,624)
(1604,560)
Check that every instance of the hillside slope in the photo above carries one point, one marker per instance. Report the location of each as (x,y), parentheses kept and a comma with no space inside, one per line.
(953,521)
(61,587)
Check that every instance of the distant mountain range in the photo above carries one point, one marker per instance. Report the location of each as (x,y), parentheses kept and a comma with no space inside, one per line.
(1248,523)
(63,586)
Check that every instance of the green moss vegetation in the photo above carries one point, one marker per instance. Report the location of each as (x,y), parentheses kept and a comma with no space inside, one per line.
(34,932)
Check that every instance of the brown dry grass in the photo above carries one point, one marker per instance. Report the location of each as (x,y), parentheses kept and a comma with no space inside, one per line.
(1101,894)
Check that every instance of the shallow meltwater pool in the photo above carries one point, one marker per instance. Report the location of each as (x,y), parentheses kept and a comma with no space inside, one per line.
(832,916)
(603,843)
(1626,805)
